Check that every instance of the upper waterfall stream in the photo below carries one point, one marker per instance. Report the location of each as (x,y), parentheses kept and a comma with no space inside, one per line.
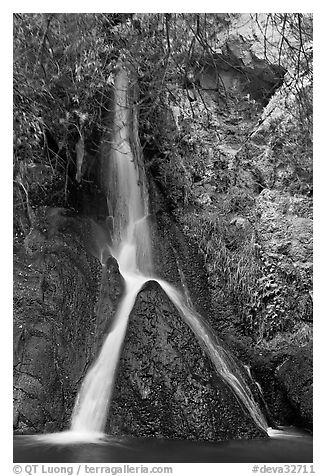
(131,246)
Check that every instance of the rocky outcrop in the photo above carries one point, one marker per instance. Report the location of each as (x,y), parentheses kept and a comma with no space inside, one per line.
(285,375)
(166,386)
(56,289)
(295,375)
(245,59)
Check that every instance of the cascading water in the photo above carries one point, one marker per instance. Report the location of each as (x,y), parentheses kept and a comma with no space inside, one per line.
(132,249)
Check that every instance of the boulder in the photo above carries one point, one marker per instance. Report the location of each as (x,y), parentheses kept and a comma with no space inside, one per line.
(166,386)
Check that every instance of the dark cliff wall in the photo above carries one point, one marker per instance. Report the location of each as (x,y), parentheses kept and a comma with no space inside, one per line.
(55,294)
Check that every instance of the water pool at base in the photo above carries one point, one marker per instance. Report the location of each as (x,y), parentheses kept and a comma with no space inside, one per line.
(286,445)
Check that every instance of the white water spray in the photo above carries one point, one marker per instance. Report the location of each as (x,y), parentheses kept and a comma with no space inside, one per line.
(132,249)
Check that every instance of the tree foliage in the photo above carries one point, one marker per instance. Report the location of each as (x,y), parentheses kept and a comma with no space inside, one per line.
(63,70)
(64,64)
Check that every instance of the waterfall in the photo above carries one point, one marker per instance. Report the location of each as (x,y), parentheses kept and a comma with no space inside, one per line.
(126,191)
(132,249)
(92,404)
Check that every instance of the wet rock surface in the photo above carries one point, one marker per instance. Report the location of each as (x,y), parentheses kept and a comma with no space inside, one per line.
(56,289)
(284,371)
(295,376)
(166,386)
(111,290)
(264,369)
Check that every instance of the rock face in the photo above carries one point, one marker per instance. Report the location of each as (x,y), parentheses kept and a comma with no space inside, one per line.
(178,261)
(286,238)
(111,290)
(295,376)
(284,234)
(239,61)
(285,374)
(56,289)
(166,386)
